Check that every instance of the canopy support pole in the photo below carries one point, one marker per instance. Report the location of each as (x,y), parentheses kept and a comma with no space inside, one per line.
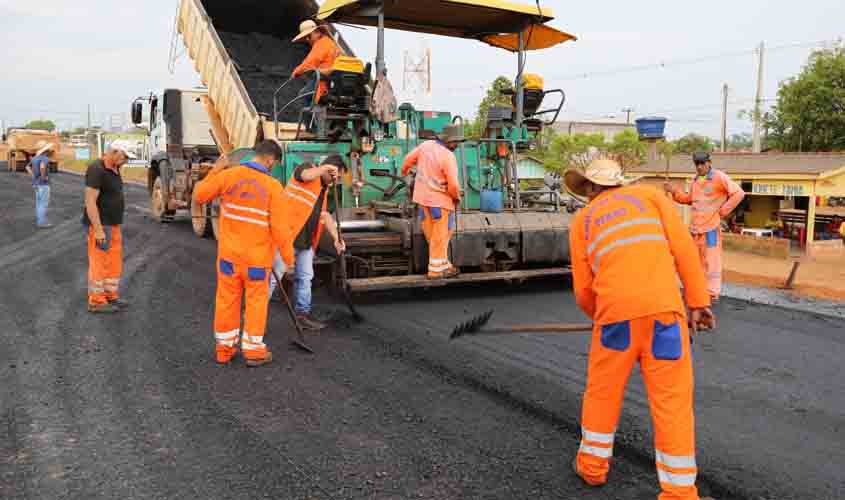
(520,109)
(380,64)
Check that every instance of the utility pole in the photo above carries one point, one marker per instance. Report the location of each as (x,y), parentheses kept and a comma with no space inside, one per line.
(725,118)
(628,112)
(89,117)
(758,105)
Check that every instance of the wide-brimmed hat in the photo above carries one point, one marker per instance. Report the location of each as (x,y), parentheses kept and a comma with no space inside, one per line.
(700,157)
(603,172)
(44,149)
(451,133)
(306,28)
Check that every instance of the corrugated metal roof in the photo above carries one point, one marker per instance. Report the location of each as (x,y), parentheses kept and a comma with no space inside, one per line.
(813,164)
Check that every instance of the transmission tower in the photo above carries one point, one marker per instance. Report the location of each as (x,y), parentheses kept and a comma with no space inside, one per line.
(416,77)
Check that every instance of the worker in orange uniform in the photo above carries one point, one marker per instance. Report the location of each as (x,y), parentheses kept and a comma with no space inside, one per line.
(713,196)
(253,226)
(628,246)
(323,53)
(102,215)
(437,192)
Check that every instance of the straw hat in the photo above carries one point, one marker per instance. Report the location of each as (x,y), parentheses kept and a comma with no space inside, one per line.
(603,172)
(44,149)
(451,133)
(306,28)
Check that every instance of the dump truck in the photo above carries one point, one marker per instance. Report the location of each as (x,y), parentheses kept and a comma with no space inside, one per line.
(23,143)
(244,58)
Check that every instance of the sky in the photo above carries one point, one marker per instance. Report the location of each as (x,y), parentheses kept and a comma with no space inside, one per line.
(61,56)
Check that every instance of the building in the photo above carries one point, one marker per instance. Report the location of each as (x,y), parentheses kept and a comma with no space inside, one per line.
(807,191)
(608,129)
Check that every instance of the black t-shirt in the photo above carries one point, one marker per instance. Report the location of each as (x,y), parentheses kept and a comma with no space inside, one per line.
(110,202)
(305,239)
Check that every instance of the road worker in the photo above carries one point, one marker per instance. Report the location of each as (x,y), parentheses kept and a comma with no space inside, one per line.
(713,196)
(309,215)
(253,226)
(324,52)
(437,192)
(628,247)
(102,215)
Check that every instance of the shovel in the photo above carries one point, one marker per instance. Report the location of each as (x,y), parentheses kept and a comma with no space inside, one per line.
(299,340)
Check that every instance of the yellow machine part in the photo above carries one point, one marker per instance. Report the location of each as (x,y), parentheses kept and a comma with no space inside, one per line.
(532,81)
(348,64)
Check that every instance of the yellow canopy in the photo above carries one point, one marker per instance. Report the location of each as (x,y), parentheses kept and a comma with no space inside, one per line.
(496,22)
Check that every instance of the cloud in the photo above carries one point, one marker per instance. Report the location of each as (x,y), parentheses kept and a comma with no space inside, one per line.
(44,8)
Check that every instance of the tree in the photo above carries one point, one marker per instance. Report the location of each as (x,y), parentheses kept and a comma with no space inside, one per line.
(810,110)
(41,125)
(579,150)
(692,143)
(627,149)
(494,97)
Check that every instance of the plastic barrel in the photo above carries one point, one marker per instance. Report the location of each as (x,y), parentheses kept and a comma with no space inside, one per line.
(651,127)
(492,201)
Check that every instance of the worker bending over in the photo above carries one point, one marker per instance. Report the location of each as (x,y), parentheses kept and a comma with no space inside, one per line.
(322,56)
(628,247)
(309,215)
(437,192)
(253,225)
(713,196)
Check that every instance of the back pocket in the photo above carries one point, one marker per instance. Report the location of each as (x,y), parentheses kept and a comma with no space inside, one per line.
(666,344)
(256,273)
(616,336)
(712,238)
(227,267)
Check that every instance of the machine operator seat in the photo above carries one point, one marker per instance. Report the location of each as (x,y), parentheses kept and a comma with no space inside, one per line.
(532,99)
(348,92)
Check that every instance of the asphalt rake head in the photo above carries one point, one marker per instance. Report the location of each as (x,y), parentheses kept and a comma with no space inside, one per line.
(474,325)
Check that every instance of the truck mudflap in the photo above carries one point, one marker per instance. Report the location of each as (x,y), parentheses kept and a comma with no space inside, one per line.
(387,283)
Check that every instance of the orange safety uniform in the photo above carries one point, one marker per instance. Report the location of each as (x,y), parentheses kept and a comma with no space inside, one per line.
(437,192)
(303,196)
(628,247)
(322,57)
(713,197)
(104,266)
(253,224)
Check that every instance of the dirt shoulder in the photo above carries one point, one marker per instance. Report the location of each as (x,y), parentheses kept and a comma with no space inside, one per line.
(823,279)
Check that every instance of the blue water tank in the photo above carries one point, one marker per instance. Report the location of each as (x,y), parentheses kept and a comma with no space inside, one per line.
(492,201)
(651,128)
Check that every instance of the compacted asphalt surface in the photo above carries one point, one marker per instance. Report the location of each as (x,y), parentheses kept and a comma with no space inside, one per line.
(133,405)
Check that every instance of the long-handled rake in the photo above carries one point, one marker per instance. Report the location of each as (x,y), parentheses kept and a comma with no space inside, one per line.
(475,326)
(299,340)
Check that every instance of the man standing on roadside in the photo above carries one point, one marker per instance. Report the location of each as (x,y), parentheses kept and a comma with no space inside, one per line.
(103,216)
(713,196)
(254,225)
(39,169)
(309,215)
(437,192)
(629,246)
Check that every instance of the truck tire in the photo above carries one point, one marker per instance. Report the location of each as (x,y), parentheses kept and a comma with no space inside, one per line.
(201,220)
(214,216)
(157,205)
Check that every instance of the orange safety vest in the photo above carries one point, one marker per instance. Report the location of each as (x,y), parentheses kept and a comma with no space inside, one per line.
(253,212)
(628,247)
(304,196)
(708,197)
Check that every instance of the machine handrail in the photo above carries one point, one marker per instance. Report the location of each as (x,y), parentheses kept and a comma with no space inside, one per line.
(277,112)
(552,110)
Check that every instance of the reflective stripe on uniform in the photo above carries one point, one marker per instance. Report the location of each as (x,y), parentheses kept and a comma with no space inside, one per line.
(250,343)
(595,451)
(227,339)
(597,437)
(634,222)
(624,242)
(247,219)
(438,269)
(304,191)
(247,209)
(676,479)
(302,200)
(438,261)
(675,461)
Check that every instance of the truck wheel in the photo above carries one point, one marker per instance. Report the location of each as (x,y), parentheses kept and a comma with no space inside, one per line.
(214,216)
(200,219)
(157,205)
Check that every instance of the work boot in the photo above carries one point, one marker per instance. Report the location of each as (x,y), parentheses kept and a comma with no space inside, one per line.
(309,323)
(575,469)
(254,362)
(224,355)
(103,309)
(452,272)
(120,303)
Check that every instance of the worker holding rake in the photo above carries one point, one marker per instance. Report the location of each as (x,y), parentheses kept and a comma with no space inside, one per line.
(629,245)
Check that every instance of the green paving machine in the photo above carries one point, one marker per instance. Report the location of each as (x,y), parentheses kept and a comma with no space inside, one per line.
(501,234)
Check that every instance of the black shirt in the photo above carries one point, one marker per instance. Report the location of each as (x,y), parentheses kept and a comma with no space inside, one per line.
(305,239)
(110,202)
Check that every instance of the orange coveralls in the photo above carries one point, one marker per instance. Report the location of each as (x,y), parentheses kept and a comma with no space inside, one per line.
(253,224)
(437,192)
(713,197)
(628,247)
(322,57)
